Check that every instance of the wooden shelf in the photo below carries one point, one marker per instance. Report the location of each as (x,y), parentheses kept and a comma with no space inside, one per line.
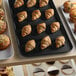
(17,59)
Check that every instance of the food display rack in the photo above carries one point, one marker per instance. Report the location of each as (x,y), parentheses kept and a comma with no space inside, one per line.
(19,60)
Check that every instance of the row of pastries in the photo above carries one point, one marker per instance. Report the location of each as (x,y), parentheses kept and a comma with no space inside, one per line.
(70,7)
(45,43)
(30,3)
(27,29)
(36,14)
(4,39)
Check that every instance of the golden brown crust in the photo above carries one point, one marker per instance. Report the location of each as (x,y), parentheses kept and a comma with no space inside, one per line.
(30,45)
(3,26)
(18,3)
(36,14)
(43,3)
(4,41)
(31,3)
(22,16)
(55,26)
(67,6)
(26,30)
(41,28)
(45,42)
(60,41)
(49,13)
(2,14)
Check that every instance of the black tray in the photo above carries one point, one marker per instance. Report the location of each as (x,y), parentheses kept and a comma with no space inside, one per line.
(21,41)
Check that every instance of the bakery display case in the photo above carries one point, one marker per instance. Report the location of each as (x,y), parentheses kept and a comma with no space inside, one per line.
(36,33)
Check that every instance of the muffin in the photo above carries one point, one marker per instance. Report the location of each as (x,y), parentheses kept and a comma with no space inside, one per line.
(46,42)
(43,3)
(41,27)
(31,3)
(3,26)
(30,45)
(60,41)
(49,13)
(36,14)
(4,41)
(55,26)
(22,16)
(2,14)
(26,30)
(67,6)
(18,3)
(73,15)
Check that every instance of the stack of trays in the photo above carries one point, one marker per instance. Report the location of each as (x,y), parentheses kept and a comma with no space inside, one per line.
(22,41)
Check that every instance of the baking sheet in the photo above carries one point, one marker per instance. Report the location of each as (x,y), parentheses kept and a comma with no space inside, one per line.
(9,52)
(45,66)
(22,41)
(70,24)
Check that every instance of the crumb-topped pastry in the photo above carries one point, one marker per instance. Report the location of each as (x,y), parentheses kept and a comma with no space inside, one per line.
(43,3)
(6,71)
(67,6)
(2,26)
(73,15)
(49,13)
(26,30)
(36,14)
(18,3)
(30,45)
(60,41)
(55,26)
(0,2)
(41,27)
(4,41)
(45,42)
(22,16)
(2,14)
(31,3)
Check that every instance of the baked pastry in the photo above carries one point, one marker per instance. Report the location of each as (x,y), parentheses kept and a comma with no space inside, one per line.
(55,26)
(64,61)
(38,72)
(43,3)
(22,16)
(67,6)
(67,70)
(2,14)
(18,3)
(60,41)
(0,2)
(4,41)
(31,3)
(41,28)
(73,15)
(3,26)
(30,45)
(6,71)
(53,71)
(75,27)
(49,13)
(26,30)
(45,42)
(36,14)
